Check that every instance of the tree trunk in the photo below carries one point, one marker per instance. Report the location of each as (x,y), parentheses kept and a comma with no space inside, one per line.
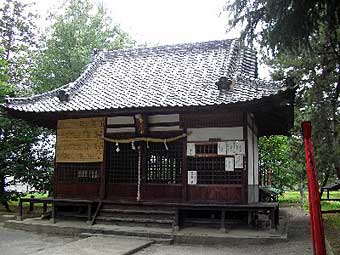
(3,197)
(325,180)
(302,189)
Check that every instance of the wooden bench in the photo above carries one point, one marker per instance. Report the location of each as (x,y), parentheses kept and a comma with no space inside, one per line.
(328,188)
(55,202)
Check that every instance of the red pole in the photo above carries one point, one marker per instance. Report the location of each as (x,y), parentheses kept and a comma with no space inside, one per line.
(313,192)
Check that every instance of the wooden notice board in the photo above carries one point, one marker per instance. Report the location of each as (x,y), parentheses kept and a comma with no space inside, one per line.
(80,140)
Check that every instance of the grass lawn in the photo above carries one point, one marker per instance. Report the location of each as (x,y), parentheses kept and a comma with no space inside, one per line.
(13,204)
(331,221)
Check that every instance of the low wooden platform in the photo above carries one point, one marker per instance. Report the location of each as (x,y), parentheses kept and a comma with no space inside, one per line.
(54,202)
(159,208)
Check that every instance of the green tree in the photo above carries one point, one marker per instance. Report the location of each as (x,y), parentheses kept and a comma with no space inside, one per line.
(24,155)
(24,152)
(302,38)
(67,48)
(17,38)
(274,161)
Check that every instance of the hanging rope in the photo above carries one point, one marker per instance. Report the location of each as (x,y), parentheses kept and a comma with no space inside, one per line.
(147,139)
(139,173)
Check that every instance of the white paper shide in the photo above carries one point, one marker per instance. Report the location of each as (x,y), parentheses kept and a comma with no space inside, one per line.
(221,148)
(191,151)
(240,147)
(192,177)
(239,161)
(229,164)
(231,148)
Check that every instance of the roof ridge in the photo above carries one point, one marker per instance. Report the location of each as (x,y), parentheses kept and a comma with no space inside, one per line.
(170,48)
(233,53)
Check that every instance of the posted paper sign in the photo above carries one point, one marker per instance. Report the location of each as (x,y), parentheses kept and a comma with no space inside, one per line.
(240,147)
(192,177)
(239,161)
(191,149)
(221,148)
(231,148)
(229,164)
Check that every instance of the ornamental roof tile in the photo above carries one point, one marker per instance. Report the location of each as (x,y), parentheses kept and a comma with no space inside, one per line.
(167,76)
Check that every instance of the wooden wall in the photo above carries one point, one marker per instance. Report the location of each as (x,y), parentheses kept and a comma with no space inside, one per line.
(78,142)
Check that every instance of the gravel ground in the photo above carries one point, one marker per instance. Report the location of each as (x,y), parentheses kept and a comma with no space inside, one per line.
(298,235)
(16,242)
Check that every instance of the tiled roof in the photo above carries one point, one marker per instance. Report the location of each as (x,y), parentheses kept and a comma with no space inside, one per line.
(166,76)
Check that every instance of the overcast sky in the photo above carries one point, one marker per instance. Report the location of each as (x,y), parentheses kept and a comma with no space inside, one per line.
(159,22)
(163,21)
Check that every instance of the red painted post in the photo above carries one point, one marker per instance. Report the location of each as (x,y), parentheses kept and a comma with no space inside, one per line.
(313,192)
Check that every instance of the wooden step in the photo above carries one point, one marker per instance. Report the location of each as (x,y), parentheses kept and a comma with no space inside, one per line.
(137,215)
(202,222)
(139,220)
(134,211)
(128,221)
(138,207)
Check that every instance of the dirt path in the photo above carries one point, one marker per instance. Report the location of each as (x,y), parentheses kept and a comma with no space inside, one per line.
(298,235)
(16,242)
(19,242)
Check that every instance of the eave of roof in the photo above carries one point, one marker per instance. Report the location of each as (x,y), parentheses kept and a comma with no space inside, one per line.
(180,76)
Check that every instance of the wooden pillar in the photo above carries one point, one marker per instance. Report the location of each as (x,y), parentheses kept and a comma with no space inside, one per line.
(223,228)
(184,171)
(102,181)
(53,216)
(20,210)
(89,213)
(102,190)
(44,207)
(245,159)
(177,219)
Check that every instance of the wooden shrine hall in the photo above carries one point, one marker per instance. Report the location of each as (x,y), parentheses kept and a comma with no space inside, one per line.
(162,136)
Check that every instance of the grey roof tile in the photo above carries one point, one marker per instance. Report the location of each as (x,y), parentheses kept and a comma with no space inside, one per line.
(166,76)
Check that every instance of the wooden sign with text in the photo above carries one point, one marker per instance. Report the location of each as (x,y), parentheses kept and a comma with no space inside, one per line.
(80,140)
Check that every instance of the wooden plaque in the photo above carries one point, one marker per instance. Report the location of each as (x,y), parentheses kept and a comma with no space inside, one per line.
(80,140)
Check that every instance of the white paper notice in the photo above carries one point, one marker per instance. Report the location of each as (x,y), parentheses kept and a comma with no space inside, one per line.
(231,148)
(192,177)
(221,148)
(240,147)
(239,161)
(191,149)
(229,164)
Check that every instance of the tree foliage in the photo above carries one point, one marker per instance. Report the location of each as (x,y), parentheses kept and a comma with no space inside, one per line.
(17,38)
(24,155)
(60,56)
(73,36)
(24,151)
(282,25)
(302,40)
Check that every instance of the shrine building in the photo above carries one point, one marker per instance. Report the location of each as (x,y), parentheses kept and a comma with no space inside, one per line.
(162,135)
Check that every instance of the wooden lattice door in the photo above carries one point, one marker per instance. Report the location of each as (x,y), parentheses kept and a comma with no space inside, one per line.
(121,168)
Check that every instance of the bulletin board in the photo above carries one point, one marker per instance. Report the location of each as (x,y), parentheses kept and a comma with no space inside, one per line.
(80,140)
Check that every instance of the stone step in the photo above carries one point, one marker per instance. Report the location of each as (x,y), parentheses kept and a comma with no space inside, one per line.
(165,240)
(6,217)
(128,221)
